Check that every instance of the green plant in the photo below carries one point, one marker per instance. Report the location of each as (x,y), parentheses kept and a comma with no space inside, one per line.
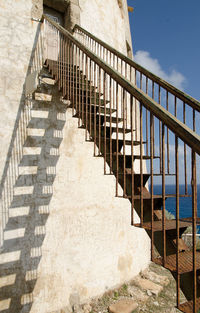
(116,295)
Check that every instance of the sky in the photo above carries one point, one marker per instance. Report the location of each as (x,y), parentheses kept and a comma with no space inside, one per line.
(166,40)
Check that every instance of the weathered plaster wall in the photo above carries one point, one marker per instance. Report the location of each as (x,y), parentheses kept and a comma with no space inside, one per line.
(89,245)
(108,20)
(17,37)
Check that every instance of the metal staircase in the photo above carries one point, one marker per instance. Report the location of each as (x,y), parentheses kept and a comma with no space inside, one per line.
(147,132)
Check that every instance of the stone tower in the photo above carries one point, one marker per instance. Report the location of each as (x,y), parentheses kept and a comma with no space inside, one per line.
(89,246)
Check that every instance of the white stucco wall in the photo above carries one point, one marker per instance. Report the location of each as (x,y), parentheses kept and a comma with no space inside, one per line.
(89,245)
(105,19)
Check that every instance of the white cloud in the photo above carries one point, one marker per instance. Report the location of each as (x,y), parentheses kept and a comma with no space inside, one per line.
(144,58)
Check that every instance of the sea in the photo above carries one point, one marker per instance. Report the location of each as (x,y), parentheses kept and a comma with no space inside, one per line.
(185,203)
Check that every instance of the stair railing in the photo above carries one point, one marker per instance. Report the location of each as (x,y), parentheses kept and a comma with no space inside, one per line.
(115,113)
(171,98)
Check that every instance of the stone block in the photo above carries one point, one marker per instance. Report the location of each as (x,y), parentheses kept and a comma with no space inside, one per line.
(148,285)
(123,306)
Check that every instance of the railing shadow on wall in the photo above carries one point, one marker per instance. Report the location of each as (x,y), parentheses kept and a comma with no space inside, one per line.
(26,187)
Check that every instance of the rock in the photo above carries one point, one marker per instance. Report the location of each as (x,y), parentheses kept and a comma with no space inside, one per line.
(123,306)
(146,284)
(137,293)
(87,308)
(77,308)
(149,293)
(163,280)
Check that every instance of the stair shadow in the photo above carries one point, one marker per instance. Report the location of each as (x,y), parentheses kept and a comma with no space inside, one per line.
(24,233)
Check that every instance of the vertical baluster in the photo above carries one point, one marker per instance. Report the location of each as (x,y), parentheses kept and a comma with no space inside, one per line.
(151,172)
(76,81)
(167,108)
(141,167)
(136,128)
(104,97)
(177,220)
(175,106)
(95,103)
(160,132)
(74,77)
(79,89)
(110,98)
(71,72)
(117,137)
(163,194)
(147,126)
(99,77)
(126,111)
(91,96)
(68,72)
(86,97)
(59,58)
(62,64)
(124,152)
(153,92)
(194,219)
(132,162)
(64,67)
(82,92)
(194,223)
(185,154)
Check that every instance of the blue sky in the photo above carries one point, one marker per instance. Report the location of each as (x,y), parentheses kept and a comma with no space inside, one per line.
(166,38)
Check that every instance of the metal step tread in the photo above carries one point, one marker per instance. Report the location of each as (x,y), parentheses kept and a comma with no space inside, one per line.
(185,262)
(187,307)
(158,226)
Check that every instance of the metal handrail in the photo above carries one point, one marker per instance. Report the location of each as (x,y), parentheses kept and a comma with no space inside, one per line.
(194,103)
(179,128)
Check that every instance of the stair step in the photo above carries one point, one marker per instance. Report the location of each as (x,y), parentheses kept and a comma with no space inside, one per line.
(100,109)
(185,262)
(128,159)
(187,307)
(39,96)
(145,197)
(169,225)
(91,100)
(114,119)
(41,105)
(121,141)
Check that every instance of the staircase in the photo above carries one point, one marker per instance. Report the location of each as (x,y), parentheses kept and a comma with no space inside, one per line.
(145,130)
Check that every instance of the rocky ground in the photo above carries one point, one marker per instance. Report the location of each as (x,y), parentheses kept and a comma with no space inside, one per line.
(151,291)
